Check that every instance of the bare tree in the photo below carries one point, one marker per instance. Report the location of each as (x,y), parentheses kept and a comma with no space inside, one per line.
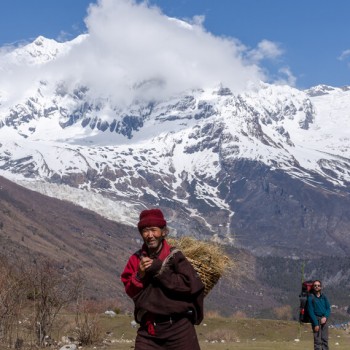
(50,289)
(11,297)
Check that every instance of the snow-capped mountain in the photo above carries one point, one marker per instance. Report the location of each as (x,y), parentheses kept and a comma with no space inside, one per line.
(40,51)
(267,169)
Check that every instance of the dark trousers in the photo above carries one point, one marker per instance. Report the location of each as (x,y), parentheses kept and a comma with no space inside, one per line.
(179,335)
(321,338)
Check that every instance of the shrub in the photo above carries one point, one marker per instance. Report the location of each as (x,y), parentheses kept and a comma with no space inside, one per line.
(220,335)
(283,312)
(87,319)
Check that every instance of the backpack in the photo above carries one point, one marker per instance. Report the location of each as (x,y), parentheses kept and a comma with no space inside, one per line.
(306,290)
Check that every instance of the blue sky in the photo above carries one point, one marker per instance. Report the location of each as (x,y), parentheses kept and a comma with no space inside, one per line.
(308,40)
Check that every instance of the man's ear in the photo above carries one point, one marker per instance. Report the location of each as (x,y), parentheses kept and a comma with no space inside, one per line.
(165,232)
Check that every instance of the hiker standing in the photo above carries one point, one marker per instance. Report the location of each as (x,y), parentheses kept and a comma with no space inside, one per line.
(167,292)
(319,310)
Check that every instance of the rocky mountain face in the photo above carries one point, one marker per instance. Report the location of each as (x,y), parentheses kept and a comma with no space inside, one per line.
(267,170)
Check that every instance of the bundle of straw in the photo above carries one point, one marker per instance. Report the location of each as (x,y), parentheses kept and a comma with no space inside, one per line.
(207,258)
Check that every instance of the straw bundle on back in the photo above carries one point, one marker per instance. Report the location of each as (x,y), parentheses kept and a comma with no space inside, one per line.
(208,259)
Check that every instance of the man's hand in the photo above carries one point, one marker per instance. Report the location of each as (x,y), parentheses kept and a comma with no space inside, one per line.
(323,320)
(316,328)
(145,264)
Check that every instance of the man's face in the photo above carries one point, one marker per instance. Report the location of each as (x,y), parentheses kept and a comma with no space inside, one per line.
(153,236)
(317,286)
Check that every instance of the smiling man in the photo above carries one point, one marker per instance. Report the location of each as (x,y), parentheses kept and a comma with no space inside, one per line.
(167,292)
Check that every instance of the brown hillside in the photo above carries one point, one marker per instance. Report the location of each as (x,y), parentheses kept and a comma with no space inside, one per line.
(76,238)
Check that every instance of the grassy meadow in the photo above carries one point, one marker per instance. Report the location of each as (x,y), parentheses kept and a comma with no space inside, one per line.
(216,333)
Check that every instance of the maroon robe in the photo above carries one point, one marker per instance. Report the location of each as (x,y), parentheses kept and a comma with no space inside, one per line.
(168,300)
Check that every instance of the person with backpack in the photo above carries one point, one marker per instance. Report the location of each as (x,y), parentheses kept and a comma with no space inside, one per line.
(319,310)
(167,292)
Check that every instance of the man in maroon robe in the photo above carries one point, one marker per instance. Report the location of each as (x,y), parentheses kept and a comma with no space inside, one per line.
(167,292)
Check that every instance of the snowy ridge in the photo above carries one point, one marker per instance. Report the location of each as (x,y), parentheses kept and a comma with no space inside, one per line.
(40,51)
(298,130)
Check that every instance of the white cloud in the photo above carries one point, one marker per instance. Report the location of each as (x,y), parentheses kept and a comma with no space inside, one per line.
(286,77)
(266,50)
(143,45)
(344,55)
(133,51)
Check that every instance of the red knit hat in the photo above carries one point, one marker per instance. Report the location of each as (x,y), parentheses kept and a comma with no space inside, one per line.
(151,217)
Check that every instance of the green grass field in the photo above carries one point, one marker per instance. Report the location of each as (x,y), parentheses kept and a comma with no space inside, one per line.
(227,333)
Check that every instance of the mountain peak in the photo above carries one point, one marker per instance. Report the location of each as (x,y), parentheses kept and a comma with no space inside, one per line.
(41,50)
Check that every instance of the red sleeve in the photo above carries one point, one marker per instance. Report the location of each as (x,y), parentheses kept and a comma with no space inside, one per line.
(133,285)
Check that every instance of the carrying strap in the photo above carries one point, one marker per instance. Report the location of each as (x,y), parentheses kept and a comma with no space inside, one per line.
(173,251)
(313,300)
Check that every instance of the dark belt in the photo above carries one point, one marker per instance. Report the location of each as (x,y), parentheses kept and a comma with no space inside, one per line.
(168,318)
(172,318)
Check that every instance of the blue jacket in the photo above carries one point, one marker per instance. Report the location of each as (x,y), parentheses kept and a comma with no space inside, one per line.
(318,307)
